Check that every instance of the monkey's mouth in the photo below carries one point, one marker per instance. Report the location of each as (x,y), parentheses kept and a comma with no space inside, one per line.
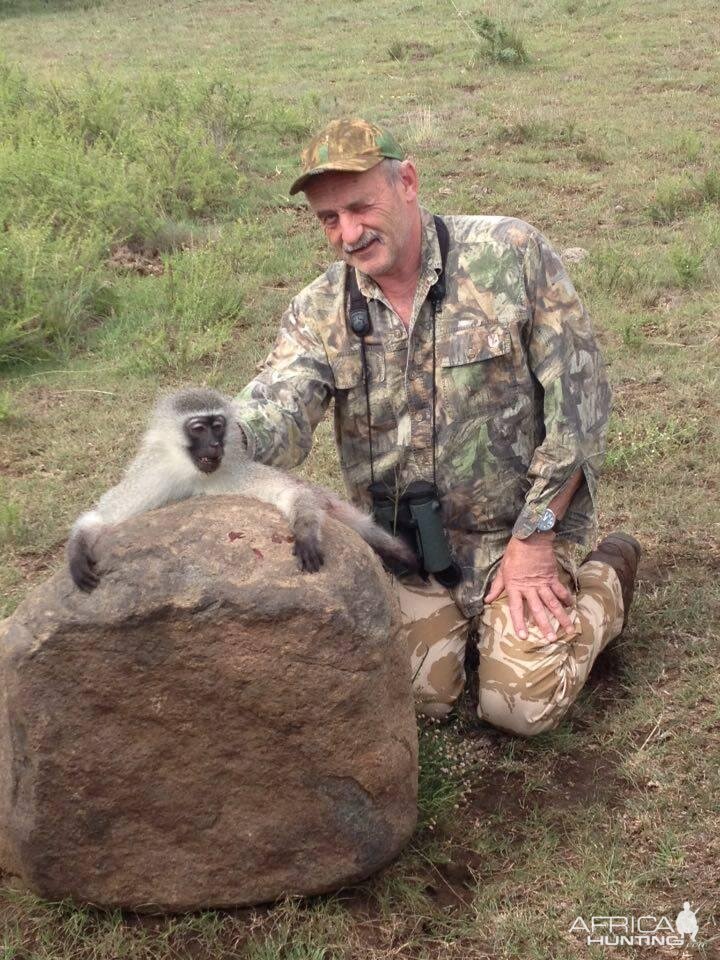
(207,464)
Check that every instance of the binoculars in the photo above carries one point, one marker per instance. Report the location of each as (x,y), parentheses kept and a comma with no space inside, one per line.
(415,517)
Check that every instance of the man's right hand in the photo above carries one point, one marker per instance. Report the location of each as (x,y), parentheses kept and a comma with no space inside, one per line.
(528,573)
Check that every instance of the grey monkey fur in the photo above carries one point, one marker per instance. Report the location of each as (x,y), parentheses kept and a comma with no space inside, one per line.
(163,472)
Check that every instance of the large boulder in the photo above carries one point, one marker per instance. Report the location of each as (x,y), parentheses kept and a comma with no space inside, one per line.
(210,727)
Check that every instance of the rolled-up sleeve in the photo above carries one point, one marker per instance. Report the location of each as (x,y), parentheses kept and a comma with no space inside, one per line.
(566,362)
(279,410)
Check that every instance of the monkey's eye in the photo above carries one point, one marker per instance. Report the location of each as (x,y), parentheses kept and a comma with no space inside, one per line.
(219,424)
(196,427)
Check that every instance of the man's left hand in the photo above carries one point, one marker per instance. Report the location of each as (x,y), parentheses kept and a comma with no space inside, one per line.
(529,574)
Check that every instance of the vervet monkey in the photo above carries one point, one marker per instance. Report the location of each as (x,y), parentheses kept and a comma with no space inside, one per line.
(194,446)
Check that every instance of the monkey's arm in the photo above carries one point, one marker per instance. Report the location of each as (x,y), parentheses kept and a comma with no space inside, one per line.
(142,488)
(280,408)
(305,506)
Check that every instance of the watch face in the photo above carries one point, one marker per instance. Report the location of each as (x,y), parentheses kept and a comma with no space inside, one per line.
(546,521)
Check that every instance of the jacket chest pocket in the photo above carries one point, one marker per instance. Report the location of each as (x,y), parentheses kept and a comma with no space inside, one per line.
(477,370)
(351,404)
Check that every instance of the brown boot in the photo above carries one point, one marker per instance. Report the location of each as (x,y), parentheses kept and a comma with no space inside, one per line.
(621,552)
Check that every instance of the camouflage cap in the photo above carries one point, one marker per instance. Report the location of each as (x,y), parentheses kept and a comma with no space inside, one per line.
(352,145)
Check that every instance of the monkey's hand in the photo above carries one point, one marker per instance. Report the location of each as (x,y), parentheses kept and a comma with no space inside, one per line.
(309,553)
(82,561)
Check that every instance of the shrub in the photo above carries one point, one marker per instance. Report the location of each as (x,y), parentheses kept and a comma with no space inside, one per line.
(502,44)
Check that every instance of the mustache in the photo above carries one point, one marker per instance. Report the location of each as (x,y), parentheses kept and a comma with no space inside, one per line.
(364,240)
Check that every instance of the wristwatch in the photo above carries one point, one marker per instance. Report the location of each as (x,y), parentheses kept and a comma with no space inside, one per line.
(546,522)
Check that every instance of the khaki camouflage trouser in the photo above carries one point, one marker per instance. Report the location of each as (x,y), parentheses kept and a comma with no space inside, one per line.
(524,686)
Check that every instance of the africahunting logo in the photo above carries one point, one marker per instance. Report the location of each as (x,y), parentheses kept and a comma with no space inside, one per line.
(645,931)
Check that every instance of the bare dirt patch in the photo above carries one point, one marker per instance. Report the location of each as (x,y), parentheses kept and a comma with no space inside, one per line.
(413,50)
(34,564)
(630,396)
(144,263)
(572,782)
(453,884)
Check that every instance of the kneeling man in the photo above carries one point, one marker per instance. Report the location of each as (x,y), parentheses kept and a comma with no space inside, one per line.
(457,352)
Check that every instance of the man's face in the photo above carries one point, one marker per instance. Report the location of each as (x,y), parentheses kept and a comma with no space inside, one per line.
(368,219)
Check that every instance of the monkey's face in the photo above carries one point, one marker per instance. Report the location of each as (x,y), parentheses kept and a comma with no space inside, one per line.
(206,441)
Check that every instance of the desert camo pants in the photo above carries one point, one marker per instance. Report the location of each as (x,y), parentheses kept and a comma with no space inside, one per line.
(523,686)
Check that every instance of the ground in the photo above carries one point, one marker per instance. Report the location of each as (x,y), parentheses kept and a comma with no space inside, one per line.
(145,156)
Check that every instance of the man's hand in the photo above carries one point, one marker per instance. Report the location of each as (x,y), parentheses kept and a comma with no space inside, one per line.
(529,574)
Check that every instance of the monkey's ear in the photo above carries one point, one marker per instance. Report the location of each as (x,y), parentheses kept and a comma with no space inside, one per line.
(243,436)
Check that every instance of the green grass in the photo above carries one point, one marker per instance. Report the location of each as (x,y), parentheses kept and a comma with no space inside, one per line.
(675,198)
(161,168)
(147,240)
(10,523)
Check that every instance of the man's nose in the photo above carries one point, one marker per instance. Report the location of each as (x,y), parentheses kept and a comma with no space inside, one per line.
(351,228)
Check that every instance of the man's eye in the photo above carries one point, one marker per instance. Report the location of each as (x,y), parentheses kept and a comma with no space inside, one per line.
(329,221)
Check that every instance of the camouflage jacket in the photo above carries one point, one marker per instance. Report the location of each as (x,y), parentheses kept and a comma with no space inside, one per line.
(522,399)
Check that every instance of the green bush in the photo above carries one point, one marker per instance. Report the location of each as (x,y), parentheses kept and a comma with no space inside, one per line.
(502,44)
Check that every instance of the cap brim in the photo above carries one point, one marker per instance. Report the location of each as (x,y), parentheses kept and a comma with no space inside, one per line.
(351,165)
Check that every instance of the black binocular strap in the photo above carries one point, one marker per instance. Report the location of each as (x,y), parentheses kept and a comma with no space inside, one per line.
(363,357)
(359,323)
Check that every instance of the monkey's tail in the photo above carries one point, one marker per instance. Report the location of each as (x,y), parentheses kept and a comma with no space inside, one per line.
(392,549)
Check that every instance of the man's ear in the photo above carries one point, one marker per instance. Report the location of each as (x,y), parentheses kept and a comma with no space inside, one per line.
(409,180)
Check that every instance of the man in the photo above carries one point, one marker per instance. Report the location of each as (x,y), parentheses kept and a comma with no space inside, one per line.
(498,395)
